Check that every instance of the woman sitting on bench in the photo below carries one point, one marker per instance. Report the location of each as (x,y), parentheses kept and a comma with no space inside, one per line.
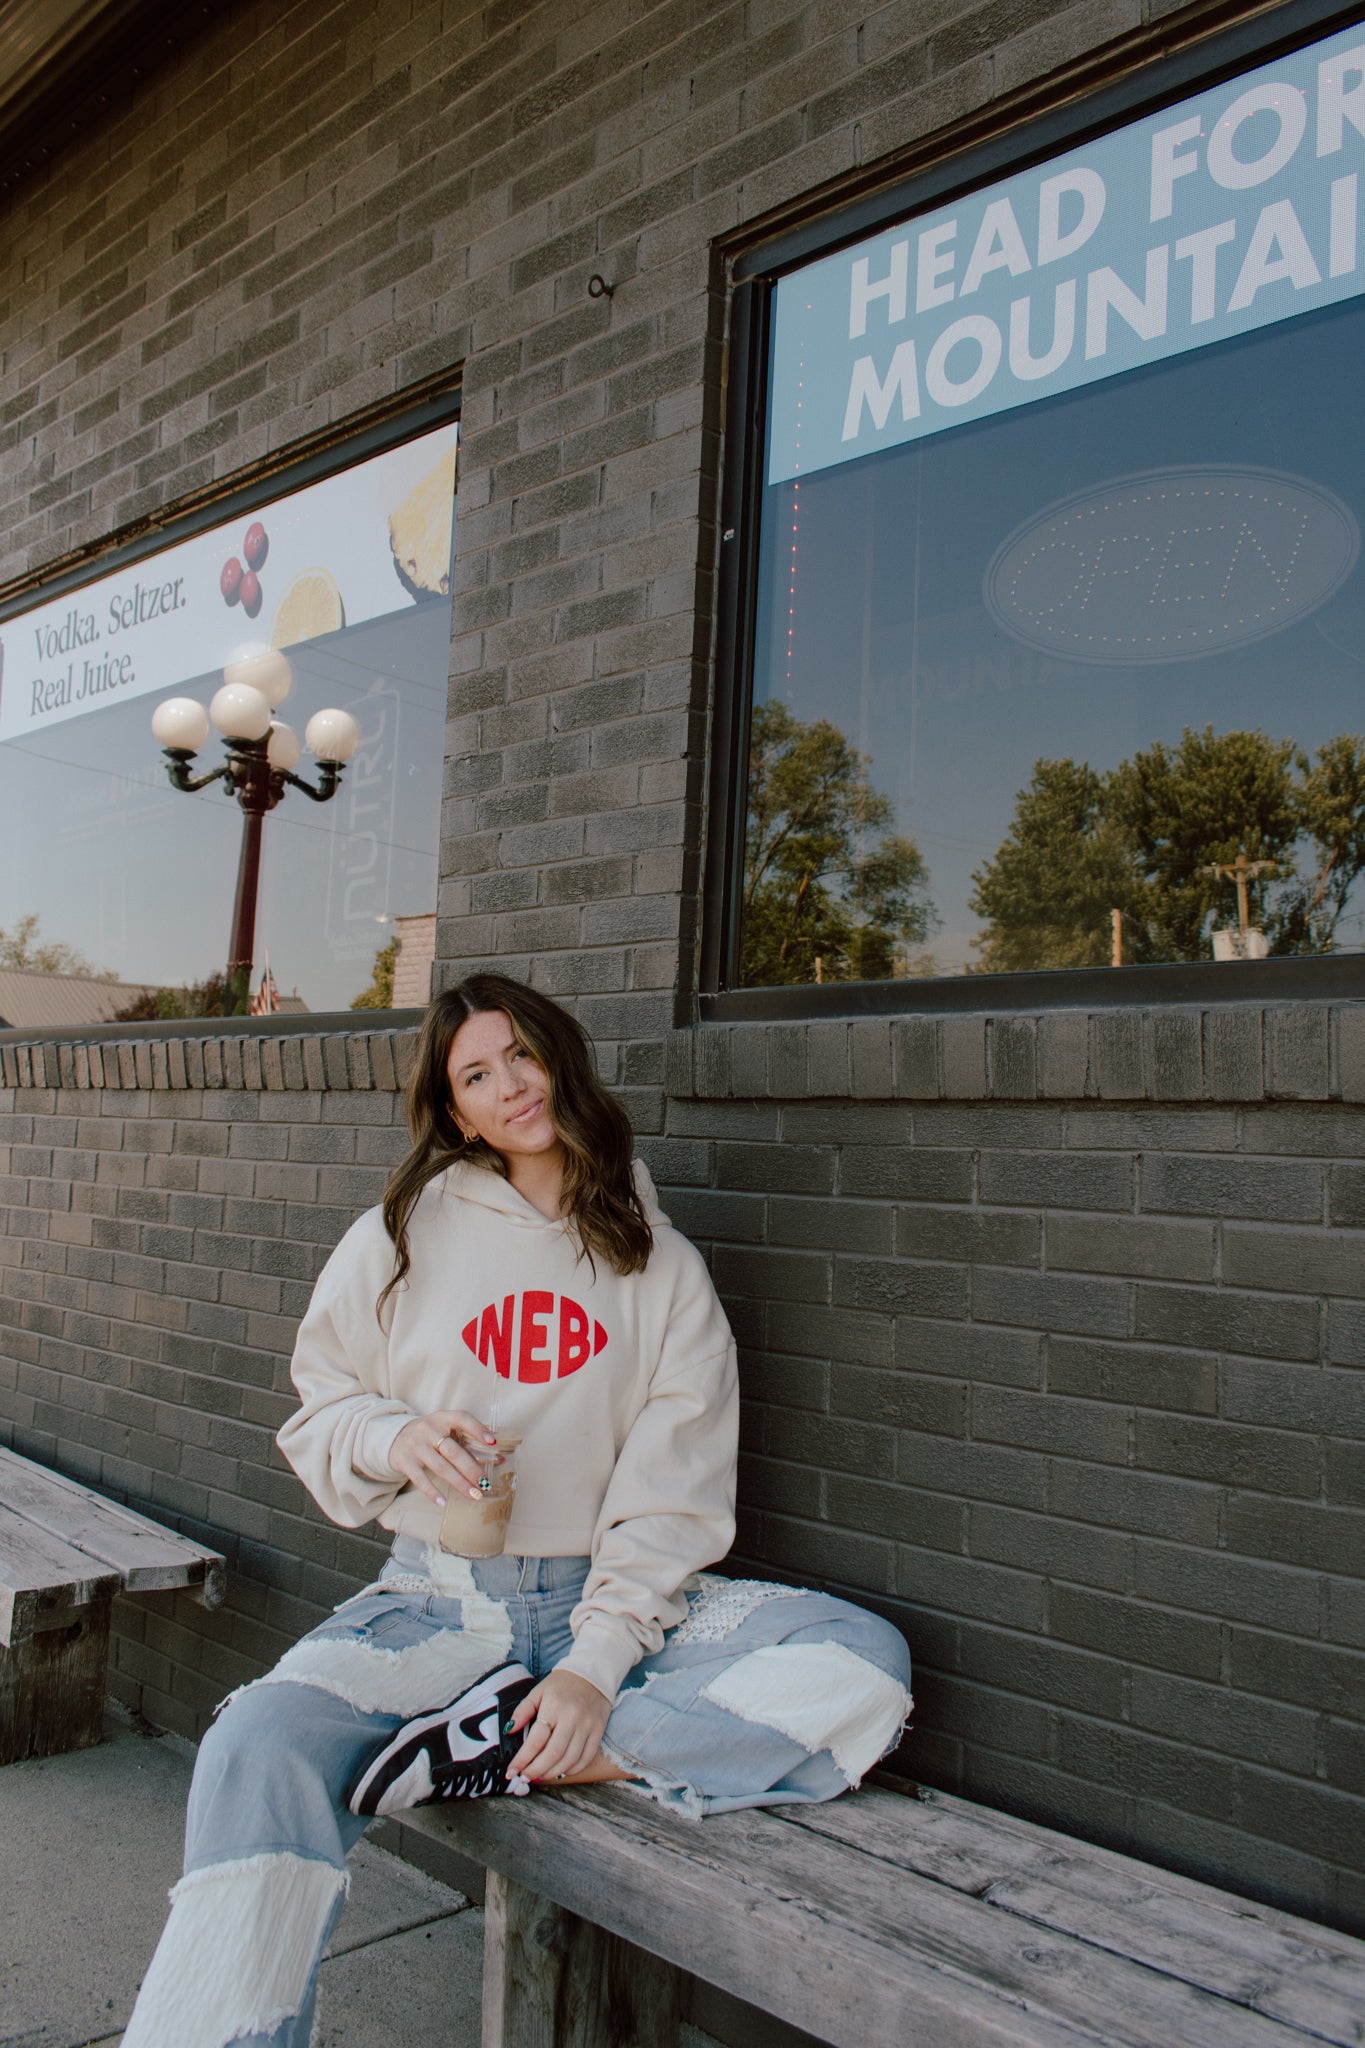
(519,1286)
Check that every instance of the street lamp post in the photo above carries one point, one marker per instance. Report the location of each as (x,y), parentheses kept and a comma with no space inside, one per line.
(262,755)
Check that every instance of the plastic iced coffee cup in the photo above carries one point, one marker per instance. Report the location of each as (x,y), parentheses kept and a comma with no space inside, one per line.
(478,1528)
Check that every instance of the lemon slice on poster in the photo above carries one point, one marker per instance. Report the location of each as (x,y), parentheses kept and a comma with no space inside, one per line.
(310,606)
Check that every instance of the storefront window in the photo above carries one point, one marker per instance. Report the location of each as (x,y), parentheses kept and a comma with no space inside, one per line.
(106,870)
(1060,642)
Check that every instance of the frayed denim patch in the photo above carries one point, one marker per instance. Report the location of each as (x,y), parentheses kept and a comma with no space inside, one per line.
(822,1695)
(239,1951)
(672,1793)
(405,1682)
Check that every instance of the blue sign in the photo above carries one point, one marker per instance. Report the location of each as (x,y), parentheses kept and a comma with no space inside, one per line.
(1226,213)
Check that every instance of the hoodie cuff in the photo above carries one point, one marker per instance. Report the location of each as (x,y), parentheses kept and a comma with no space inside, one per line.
(603,1655)
(370,1454)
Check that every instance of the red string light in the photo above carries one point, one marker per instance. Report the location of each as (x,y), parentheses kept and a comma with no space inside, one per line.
(796,523)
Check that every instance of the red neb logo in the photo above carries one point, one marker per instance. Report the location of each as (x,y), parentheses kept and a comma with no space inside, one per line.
(545,1344)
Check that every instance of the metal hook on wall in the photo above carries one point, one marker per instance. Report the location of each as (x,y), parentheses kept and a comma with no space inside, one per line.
(598,288)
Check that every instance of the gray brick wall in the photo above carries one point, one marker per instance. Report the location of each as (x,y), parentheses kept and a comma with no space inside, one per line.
(1071,1389)
(1052,1327)
(160,1234)
(1074,1395)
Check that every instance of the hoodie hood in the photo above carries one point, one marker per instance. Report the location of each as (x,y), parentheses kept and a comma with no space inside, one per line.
(467,1181)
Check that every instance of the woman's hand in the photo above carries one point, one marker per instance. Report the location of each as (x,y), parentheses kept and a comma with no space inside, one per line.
(428,1451)
(566,1717)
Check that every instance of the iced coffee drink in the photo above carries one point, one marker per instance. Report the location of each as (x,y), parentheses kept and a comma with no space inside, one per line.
(478,1528)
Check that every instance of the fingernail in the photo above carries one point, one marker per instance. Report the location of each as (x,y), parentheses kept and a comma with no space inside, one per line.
(474,1493)
(440,1500)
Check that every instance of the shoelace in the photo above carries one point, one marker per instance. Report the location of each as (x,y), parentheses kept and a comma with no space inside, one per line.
(467,1781)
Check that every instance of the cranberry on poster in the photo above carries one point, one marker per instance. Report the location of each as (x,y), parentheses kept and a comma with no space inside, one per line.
(251,593)
(230,582)
(256,546)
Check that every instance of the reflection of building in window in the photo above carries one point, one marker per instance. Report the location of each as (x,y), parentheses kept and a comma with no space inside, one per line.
(40,1002)
(400,977)
(413,963)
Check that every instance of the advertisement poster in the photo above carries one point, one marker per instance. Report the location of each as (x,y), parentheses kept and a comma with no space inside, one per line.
(1227,213)
(339,553)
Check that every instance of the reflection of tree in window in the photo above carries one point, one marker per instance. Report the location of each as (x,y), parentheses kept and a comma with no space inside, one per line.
(1147,838)
(378,994)
(831,893)
(21,947)
(217,996)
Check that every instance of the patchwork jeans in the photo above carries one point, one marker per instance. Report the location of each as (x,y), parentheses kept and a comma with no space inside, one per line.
(764,1695)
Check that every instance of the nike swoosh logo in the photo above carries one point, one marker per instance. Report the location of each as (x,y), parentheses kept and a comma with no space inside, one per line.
(474,1726)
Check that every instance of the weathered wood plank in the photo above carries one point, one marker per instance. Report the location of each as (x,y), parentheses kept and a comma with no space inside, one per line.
(1032,1840)
(790,1921)
(771,1953)
(52,1686)
(146,1556)
(1318,1993)
(553,1980)
(40,1577)
(1271,1962)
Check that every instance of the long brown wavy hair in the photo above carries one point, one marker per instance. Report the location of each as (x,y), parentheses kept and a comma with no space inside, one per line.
(599,1193)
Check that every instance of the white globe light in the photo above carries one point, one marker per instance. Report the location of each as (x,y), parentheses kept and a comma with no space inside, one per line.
(181,724)
(261,668)
(284,747)
(237,667)
(332,735)
(240,713)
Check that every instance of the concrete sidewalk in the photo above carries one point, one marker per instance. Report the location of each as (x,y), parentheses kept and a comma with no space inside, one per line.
(91,1845)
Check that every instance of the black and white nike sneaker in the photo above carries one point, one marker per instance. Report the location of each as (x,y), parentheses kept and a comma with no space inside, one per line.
(460,1752)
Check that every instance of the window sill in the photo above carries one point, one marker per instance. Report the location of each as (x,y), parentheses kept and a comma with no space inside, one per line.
(1237,1052)
(336,1051)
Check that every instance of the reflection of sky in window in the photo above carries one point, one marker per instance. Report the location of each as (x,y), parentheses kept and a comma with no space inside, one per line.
(891,637)
(140,879)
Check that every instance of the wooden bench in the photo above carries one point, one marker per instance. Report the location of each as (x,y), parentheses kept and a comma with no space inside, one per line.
(64,1553)
(880,1920)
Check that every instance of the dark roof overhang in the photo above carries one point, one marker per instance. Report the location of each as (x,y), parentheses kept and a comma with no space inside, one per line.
(64,62)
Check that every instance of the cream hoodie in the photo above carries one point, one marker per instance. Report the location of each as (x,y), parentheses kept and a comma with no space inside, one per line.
(624,1390)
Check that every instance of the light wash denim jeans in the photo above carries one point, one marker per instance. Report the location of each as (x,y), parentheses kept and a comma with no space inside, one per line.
(765,1695)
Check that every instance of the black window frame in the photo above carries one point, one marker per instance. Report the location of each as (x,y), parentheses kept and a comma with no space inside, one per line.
(341,446)
(956,168)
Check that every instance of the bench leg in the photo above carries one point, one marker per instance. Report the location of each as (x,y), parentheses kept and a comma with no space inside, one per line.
(551,1980)
(52,1686)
